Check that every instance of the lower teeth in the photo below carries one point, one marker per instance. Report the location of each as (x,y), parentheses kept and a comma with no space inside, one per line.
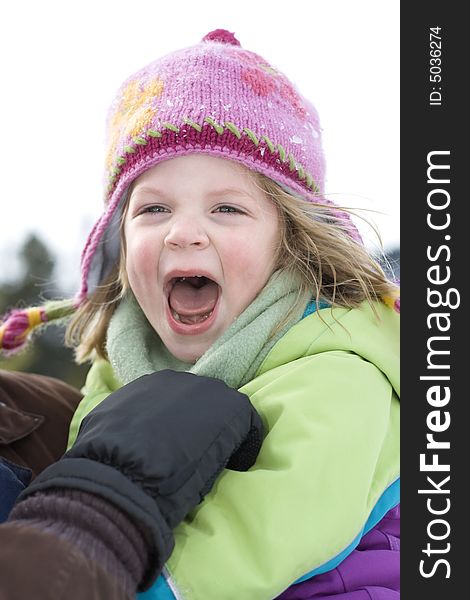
(190,320)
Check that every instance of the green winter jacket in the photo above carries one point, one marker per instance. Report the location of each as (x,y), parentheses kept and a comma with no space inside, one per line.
(327,472)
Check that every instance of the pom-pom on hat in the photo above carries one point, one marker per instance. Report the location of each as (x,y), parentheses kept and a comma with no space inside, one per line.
(216,98)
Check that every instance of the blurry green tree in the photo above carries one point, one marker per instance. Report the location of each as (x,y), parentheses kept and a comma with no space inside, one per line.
(46,354)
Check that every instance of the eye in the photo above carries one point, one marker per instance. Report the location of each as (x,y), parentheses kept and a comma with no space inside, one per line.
(225,208)
(154,208)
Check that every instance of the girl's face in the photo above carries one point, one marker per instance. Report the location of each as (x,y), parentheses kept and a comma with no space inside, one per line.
(201,240)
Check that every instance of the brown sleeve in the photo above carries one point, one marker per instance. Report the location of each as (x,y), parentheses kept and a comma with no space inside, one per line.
(35,414)
(35,564)
(95,527)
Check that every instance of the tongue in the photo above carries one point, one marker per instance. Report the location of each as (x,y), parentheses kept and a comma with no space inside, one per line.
(187,300)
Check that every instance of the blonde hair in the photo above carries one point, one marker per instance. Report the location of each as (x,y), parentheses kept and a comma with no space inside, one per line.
(315,242)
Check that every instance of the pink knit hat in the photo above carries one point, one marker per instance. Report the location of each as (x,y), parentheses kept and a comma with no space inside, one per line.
(215,98)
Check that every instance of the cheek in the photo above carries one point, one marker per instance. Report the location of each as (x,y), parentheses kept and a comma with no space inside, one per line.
(140,260)
(252,257)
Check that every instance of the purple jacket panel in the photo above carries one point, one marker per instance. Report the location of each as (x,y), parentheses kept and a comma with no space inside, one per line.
(370,572)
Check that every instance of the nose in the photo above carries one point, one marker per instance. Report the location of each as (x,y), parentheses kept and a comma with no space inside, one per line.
(185,232)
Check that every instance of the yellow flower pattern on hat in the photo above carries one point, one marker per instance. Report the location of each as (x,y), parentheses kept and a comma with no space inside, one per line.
(134,110)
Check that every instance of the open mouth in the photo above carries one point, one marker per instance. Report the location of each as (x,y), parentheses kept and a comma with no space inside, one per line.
(192,299)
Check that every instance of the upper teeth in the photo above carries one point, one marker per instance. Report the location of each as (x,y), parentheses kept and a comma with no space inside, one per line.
(184,278)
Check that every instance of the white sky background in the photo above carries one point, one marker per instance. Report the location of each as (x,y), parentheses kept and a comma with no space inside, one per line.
(62,62)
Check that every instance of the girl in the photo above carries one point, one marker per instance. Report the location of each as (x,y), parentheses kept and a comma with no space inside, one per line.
(218,254)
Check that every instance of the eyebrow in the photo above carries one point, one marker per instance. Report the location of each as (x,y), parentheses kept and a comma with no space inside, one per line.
(146,190)
(227,191)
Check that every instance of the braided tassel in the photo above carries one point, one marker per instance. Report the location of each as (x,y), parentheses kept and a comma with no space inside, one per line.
(17,325)
(392,302)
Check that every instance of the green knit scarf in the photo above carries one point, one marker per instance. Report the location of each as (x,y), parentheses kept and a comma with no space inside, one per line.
(135,349)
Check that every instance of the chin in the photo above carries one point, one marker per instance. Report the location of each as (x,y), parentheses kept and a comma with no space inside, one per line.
(186,355)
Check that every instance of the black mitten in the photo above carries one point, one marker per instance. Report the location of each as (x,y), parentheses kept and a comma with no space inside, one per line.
(155,447)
